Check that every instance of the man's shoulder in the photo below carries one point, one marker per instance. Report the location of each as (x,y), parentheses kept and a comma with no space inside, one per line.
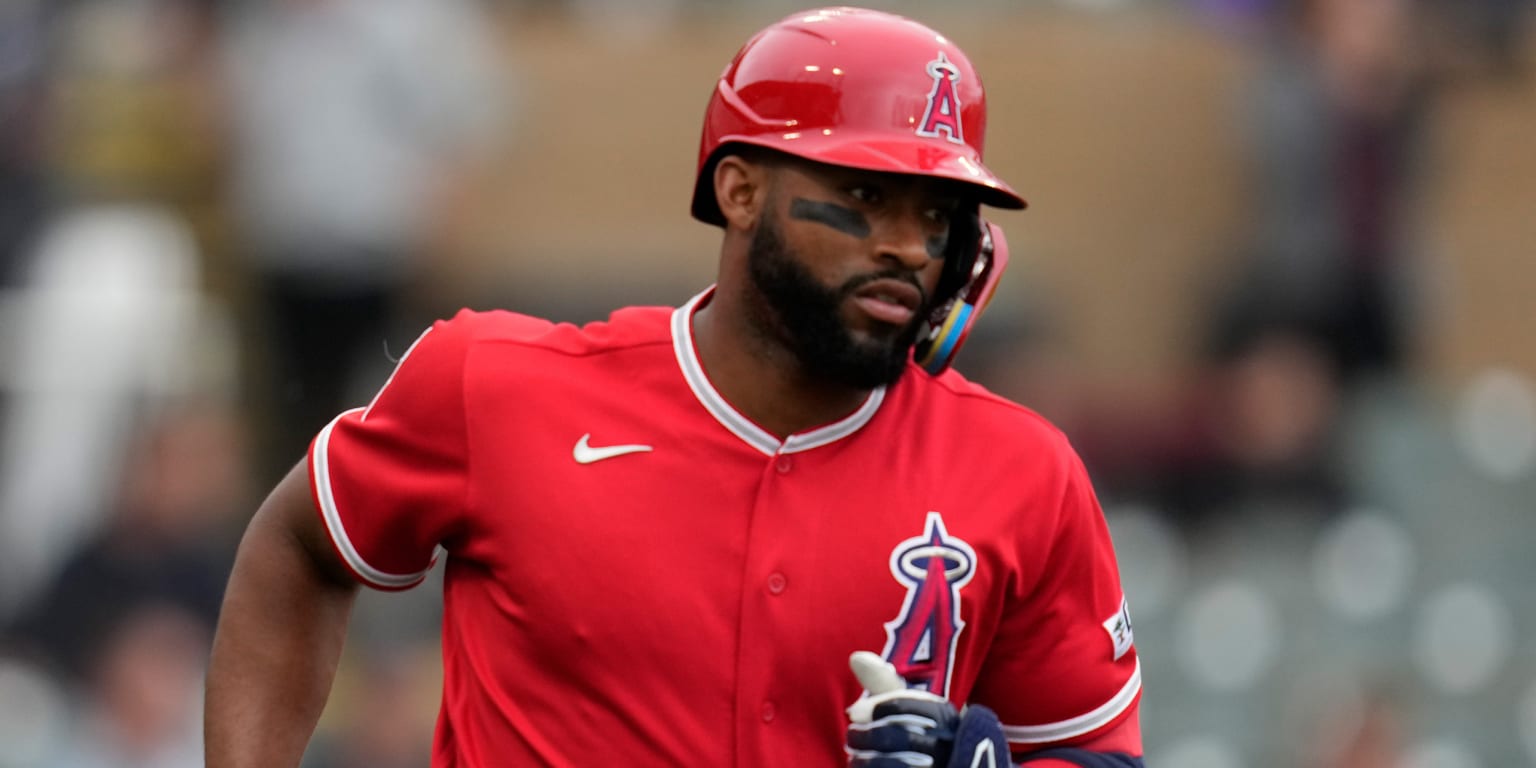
(625,328)
(958,404)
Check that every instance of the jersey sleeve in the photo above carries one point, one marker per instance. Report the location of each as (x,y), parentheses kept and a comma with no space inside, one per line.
(1063,665)
(389,480)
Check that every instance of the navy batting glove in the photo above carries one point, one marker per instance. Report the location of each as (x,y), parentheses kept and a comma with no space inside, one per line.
(979,740)
(907,732)
(904,731)
(896,727)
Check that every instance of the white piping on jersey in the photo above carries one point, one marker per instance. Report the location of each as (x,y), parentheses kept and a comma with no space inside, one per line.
(320,466)
(739,425)
(1077,726)
(392,373)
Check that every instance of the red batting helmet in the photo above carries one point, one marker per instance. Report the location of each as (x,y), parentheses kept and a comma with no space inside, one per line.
(856,88)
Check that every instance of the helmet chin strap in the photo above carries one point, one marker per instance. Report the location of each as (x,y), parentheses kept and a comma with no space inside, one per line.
(951,322)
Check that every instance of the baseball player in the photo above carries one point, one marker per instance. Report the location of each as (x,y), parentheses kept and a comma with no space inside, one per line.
(769,527)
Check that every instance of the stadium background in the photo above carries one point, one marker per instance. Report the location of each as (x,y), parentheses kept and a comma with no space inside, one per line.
(1324,569)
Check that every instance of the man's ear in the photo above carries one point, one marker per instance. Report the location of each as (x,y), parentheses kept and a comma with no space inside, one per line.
(741,190)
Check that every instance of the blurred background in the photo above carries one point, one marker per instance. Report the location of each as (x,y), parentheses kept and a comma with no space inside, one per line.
(1275,283)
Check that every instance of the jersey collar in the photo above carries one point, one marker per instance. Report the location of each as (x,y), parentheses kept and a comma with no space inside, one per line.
(733,420)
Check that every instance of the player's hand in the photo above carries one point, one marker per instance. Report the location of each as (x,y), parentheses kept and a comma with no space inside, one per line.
(898,727)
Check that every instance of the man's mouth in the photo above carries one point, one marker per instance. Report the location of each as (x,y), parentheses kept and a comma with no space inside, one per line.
(888,300)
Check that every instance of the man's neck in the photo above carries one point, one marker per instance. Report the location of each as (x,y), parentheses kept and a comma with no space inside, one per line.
(763,379)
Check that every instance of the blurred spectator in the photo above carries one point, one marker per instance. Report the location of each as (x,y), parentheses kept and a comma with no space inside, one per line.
(141,706)
(108,309)
(134,113)
(169,543)
(1336,118)
(1322,301)
(1259,435)
(350,119)
(109,321)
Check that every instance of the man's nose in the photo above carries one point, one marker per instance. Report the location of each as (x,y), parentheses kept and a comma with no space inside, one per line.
(907,239)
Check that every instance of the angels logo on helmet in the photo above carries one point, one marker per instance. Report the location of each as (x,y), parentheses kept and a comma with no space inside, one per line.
(942,115)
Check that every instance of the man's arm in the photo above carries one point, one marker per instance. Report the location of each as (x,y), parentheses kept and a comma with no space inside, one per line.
(280,634)
(1118,746)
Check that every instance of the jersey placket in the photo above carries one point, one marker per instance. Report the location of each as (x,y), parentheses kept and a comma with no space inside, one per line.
(768,598)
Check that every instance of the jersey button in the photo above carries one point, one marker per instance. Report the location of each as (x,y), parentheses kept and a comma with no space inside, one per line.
(777,583)
(767,711)
(784,465)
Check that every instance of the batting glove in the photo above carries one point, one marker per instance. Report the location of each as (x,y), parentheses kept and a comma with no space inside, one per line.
(898,727)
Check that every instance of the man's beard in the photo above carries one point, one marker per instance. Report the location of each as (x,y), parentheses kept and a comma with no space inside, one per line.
(804,315)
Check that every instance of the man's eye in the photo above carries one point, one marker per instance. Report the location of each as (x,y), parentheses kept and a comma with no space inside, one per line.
(865,194)
(939,215)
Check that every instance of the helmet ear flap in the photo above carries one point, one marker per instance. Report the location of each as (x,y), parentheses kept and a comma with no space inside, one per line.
(960,254)
(977,277)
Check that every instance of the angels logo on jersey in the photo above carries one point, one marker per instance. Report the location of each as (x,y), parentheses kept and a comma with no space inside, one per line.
(942,115)
(922,639)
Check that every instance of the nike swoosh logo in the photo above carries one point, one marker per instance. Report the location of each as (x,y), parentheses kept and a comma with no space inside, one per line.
(586,454)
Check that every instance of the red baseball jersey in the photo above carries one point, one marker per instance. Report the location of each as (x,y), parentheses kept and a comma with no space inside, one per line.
(636,571)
